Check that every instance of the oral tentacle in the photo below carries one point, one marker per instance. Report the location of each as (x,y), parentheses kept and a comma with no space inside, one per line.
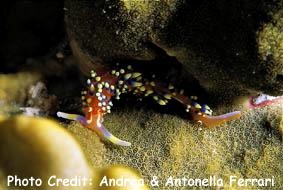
(74,117)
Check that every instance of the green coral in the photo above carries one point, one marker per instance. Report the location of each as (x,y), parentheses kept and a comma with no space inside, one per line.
(115,30)
(270,39)
(90,143)
(270,46)
(165,145)
(281,125)
(202,35)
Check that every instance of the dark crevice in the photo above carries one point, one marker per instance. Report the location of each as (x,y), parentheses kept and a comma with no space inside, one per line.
(279,78)
(166,69)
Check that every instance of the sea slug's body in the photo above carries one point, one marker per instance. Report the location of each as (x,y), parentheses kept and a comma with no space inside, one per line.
(105,84)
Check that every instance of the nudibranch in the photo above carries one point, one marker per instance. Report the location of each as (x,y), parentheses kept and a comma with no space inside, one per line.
(104,84)
(261,100)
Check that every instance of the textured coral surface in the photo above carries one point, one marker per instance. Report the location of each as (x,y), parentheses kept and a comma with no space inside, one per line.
(165,145)
(224,49)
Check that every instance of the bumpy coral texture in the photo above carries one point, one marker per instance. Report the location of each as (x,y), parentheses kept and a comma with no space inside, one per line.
(165,145)
(270,46)
(202,35)
(270,38)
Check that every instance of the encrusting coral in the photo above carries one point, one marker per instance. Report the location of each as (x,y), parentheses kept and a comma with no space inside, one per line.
(165,145)
(270,39)
(168,145)
(202,35)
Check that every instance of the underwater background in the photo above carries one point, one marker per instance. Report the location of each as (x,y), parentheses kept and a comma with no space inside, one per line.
(223,52)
